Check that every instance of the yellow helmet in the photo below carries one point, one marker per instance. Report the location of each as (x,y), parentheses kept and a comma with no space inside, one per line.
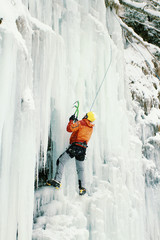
(91,116)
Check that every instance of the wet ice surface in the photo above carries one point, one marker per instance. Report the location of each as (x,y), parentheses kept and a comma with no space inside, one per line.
(62,218)
(71,216)
(97,215)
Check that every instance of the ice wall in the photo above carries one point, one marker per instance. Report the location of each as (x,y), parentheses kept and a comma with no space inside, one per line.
(52,54)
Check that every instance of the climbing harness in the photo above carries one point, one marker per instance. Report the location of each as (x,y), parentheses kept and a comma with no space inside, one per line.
(102,79)
(76,105)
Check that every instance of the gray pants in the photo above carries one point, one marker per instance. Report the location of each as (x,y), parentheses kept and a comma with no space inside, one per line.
(79,167)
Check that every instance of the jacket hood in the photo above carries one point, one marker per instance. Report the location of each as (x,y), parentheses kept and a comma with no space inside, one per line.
(89,124)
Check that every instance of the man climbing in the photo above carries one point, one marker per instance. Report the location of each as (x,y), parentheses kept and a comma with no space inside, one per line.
(81,134)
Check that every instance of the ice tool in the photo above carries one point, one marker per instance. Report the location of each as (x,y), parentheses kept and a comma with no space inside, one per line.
(76,105)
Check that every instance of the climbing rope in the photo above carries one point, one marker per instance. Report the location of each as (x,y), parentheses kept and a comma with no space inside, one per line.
(102,79)
(76,104)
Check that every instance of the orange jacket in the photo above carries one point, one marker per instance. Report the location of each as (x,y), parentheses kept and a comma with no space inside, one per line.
(81,130)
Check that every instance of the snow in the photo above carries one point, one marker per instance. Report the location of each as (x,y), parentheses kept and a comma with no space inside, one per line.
(135,4)
(142,6)
(52,54)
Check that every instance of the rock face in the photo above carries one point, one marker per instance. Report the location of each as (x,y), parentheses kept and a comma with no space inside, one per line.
(145,25)
(142,73)
(145,90)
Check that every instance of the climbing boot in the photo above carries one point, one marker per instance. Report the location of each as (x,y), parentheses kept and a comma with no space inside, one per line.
(82,191)
(54,183)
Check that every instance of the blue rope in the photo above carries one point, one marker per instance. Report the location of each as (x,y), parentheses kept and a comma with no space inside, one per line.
(102,79)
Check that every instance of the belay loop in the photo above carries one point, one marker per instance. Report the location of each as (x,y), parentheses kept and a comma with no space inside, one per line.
(76,105)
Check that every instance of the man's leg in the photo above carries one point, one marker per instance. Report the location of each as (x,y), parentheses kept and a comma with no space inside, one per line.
(61,161)
(80,172)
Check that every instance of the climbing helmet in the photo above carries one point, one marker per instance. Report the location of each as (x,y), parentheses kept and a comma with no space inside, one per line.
(90,116)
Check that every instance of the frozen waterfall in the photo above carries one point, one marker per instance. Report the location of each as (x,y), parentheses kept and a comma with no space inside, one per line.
(53,53)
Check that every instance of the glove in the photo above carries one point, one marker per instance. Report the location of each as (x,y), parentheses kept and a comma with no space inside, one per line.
(73,118)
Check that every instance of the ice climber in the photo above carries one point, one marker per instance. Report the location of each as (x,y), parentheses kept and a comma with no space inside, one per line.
(81,134)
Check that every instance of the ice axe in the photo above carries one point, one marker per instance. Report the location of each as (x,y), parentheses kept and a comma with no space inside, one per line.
(76,105)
